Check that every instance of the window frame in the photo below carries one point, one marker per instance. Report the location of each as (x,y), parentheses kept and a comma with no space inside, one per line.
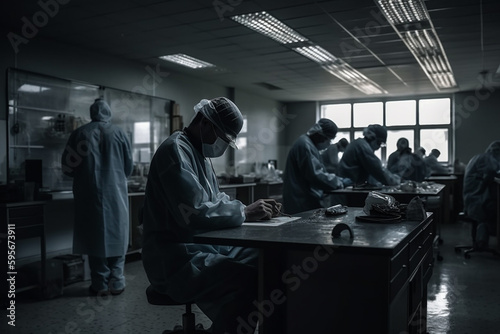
(385,151)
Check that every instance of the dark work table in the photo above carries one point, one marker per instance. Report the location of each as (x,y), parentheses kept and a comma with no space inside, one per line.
(311,282)
(311,230)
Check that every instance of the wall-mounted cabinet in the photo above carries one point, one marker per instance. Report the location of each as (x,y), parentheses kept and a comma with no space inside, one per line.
(44,110)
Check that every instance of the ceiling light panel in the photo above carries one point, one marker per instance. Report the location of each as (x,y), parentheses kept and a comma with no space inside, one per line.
(349,75)
(411,20)
(316,53)
(404,11)
(187,61)
(268,25)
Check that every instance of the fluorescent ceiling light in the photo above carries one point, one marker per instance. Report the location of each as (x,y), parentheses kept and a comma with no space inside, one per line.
(349,75)
(270,26)
(187,61)
(316,53)
(404,11)
(411,20)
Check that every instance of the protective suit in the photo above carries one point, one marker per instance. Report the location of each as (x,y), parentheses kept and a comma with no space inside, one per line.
(305,177)
(406,164)
(98,156)
(330,155)
(183,198)
(359,162)
(432,164)
(479,191)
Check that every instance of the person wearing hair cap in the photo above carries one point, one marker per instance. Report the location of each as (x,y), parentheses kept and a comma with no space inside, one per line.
(182,198)
(98,157)
(330,155)
(406,164)
(305,178)
(433,165)
(480,196)
(359,162)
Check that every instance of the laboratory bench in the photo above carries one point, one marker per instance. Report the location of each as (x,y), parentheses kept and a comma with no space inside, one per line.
(312,282)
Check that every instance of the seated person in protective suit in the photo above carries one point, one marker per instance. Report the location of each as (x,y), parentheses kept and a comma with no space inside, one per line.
(480,196)
(182,199)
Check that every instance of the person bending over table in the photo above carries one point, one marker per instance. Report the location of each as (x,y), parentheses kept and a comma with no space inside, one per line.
(305,177)
(359,162)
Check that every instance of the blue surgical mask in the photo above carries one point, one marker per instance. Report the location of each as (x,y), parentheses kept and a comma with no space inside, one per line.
(214,150)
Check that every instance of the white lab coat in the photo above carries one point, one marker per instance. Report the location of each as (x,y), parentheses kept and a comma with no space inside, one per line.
(305,177)
(98,156)
(183,198)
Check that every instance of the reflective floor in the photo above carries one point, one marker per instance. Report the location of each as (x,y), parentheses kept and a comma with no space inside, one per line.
(464,294)
(464,298)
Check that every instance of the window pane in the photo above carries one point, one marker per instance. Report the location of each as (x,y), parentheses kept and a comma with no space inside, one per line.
(368,113)
(141,133)
(435,138)
(359,134)
(401,113)
(339,113)
(393,137)
(434,111)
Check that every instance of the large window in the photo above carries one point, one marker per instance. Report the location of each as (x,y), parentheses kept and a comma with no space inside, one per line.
(424,122)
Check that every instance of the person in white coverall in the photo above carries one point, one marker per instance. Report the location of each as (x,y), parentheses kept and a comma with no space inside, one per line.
(182,199)
(99,159)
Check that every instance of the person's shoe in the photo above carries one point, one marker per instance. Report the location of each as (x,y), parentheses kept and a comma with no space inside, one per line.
(96,293)
(116,292)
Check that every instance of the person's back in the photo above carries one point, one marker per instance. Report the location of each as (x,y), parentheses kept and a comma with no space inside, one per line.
(330,155)
(479,189)
(98,156)
(480,196)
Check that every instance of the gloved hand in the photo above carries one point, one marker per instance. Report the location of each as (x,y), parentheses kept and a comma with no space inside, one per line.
(347,182)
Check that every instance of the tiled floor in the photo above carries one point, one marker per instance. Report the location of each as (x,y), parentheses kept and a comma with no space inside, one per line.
(464,298)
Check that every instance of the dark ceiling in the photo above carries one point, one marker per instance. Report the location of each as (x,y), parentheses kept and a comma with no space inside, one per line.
(143,30)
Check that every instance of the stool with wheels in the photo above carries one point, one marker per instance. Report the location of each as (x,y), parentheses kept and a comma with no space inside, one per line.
(467,249)
(188,319)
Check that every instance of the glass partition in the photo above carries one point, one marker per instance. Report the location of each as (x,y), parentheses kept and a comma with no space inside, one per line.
(44,110)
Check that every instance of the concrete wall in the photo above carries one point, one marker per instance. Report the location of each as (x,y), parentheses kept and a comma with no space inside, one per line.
(477,122)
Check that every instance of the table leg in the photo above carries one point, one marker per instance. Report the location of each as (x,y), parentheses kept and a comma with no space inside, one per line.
(272,292)
(43,283)
(498,216)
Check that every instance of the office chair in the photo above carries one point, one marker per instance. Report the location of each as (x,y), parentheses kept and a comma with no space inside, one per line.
(462,216)
(188,319)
